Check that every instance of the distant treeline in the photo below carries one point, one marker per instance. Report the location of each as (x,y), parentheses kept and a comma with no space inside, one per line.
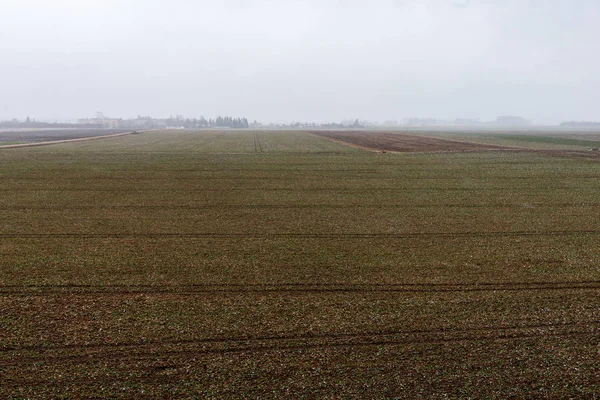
(331,125)
(219,122)
(581,124)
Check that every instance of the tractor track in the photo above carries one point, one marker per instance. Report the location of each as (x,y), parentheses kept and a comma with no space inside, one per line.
(334,236)
(191,289)
(401,189)
(293,206)
(140,351)
(257,145)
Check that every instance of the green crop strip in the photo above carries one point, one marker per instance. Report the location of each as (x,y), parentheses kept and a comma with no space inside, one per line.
(550,140)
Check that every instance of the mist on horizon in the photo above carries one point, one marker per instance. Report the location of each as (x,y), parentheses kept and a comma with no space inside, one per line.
(301,60)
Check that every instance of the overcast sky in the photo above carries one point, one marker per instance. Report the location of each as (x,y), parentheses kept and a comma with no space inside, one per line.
(298,60)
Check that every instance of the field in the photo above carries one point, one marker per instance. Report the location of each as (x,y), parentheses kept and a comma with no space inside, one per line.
(556,140)
(287,265)
(13,136)
(553,140)
(405,143)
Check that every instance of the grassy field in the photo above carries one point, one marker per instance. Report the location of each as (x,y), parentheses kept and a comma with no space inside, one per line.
(551,140)
(284,265)
(535,140)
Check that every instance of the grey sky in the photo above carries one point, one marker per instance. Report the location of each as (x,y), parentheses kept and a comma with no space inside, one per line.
(286,60)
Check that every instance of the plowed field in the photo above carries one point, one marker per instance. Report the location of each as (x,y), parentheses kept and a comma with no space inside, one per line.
(403,143)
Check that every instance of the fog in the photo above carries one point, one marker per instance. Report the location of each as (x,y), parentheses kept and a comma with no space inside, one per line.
(303,60)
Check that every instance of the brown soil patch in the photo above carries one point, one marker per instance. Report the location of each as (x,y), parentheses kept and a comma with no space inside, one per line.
(412,143)
(403,143)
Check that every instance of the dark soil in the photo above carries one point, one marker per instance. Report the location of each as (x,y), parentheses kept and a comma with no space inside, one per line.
(403,143)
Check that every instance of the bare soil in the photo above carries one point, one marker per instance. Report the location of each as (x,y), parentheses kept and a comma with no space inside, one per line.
(413,143)
(404,143)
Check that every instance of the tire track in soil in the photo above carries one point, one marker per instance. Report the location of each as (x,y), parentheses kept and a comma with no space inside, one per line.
(211,346)
(328,189)
(295,206)
(338,236)
(257,146)
(222,171)
(48,290)
(200,146)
